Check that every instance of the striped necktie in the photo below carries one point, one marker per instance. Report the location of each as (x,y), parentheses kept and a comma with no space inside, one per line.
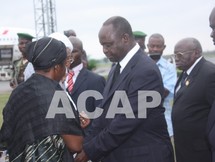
(70,81)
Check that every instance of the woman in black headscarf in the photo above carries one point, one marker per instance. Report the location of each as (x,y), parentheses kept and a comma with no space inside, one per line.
(29,135)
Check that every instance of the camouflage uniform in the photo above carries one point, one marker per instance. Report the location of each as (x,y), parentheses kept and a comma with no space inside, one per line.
(18,72)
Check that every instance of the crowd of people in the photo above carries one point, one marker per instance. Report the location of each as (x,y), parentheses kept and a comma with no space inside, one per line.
(142,111)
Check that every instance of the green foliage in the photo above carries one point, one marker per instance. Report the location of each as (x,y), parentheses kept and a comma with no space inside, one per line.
(3,100)
(92,63)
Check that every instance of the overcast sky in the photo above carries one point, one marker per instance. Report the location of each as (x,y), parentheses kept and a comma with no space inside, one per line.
(174,19)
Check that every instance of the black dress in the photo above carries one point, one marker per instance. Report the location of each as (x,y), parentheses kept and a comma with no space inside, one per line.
(26,130)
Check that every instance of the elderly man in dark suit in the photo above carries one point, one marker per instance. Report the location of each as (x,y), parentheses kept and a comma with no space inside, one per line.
(194,95)
(211,118)
(119,138)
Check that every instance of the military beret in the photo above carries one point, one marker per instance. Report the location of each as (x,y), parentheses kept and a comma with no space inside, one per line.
(139,34)
(25,36)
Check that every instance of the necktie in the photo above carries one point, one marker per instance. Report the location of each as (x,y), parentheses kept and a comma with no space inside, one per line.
(70,81)
(116,73)
(184,76)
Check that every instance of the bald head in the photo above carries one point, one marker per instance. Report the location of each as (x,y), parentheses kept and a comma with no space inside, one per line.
(212,15)
(187,51)
(77,52)
(212,24)
(69,33)
(76,42)
(190,44)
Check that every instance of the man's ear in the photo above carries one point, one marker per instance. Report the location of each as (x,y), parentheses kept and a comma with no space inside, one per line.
(125,37)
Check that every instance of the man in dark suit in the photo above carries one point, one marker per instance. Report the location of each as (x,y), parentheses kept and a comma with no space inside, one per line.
(211,117)
(194,95)
(118,138)
(83,79)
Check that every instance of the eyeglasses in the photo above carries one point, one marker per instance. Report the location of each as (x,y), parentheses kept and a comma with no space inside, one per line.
(181,54)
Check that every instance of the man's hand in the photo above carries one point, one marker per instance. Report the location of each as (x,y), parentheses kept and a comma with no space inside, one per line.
(85,121)
(81,157)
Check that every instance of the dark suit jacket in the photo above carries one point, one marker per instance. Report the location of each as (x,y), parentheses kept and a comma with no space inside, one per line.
(88,80)
(211,130)
(191,106)
(131,140)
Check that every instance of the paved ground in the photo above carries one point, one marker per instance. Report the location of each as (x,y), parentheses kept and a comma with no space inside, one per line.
(5,87)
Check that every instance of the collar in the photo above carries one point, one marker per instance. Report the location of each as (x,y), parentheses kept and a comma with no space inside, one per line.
(161,62)
(77,68)
(24,61)
(191,68)
(127,58)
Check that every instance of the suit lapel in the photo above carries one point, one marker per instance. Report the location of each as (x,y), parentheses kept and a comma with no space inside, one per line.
(120,79)
(82,76)
(190,79)
(180,90)
(126,71)
(108,83)
(179,93)
(177,83)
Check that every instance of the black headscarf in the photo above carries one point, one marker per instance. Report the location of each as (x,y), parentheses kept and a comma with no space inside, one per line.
(45,53)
